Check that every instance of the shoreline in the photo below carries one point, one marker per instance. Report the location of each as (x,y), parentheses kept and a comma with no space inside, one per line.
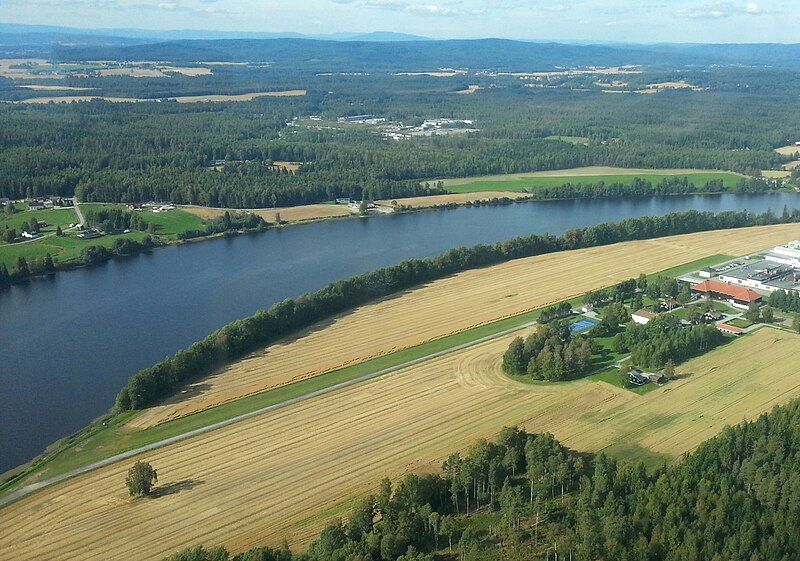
(502,199)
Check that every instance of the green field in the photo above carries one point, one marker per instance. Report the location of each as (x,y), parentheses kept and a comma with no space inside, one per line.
(63,249)
(168,224)
(521,182)
(570,139)
(57,217)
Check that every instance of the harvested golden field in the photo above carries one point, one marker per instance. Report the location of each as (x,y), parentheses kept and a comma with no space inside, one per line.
(179,99)
(775,174)
(572,172)
(458,198)
(433,73)
(237,97)
(27,70)
(43,88)
(191,71)
(288,214)
(281,475)
(288,166)
(661,86)
(77,99)
(454,304)
(790,150)
(133,72)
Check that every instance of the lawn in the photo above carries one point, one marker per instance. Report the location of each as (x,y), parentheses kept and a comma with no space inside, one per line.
(168,224)
(61,249)
(693,266)
(57,217)
(570,139)
(611,376)
(530,183)
(740,322)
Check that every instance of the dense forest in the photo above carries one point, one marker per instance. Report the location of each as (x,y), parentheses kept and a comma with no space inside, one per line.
(231,342)
(527,497)
(322,56)
(166,151)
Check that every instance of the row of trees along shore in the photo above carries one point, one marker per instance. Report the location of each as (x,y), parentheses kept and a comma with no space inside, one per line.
(115,220)
(233,341)
(639,187)
(527,497)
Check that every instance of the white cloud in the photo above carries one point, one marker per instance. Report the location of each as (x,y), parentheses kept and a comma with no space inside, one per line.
(453,8)
(720,10)
(752,8)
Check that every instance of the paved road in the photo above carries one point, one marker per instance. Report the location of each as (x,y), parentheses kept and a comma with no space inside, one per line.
(81,219)
(26,490)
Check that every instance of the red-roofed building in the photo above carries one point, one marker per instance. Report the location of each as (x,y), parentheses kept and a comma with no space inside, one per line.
(730,329)
(735,295)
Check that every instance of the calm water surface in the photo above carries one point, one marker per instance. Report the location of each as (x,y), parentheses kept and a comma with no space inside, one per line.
(69,343)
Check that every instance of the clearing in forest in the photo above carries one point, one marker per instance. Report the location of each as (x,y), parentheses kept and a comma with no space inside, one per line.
(587,175)
(179,99)
(283,474)
(301,213)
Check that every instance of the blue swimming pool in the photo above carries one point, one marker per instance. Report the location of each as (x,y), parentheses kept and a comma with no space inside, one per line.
(582,325)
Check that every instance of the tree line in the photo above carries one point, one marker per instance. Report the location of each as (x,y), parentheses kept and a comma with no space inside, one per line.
(549,353)
(135,152)
(663,339)
(786,301)
(240,337)
(527,497)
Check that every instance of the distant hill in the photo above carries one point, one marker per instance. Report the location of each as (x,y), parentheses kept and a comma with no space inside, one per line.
(498,54)
(19,34)
(319,55)
(377,51)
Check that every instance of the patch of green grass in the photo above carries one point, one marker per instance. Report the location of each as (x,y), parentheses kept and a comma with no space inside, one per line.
(637,453)
(173,222)
(611,376)
(693,266)
(168,224)
(61,249)
(740,322)
(56,217)
(570,139)
(699,179)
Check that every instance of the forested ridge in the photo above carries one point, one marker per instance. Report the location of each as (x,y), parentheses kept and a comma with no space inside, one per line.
(527,497)
(163,151)
(233,341)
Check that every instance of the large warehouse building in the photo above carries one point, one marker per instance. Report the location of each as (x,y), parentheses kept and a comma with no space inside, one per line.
(738,296)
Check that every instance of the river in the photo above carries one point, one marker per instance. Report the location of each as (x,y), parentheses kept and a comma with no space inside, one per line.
(69,342)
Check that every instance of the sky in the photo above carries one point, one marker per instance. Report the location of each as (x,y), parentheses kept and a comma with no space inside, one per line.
(638,21)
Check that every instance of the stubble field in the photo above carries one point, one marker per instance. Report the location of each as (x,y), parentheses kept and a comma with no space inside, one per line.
(282,474)
(454,304)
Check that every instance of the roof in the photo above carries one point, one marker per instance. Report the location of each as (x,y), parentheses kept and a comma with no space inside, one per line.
(643,313)
(730,328)
(736,292)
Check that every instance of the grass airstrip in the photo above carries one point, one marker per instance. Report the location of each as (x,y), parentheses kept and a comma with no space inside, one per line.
(590,175)
(268,477)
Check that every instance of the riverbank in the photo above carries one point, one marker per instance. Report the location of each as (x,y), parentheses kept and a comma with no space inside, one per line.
(146,307)
(116,434)
(628,183)
(71,248)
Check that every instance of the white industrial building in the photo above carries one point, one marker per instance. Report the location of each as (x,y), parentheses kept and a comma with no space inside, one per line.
(787,254)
